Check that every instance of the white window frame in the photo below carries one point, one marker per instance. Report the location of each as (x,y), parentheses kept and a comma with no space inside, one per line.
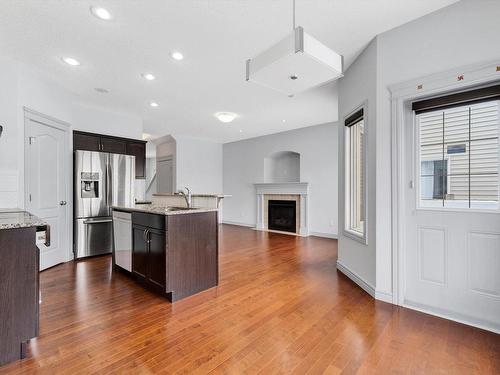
(417,173)
(355,235)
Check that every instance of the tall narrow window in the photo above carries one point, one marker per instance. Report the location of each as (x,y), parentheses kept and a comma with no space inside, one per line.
(458,155)
(355,184)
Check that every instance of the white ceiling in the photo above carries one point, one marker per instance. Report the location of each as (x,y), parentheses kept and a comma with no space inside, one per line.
(215,36)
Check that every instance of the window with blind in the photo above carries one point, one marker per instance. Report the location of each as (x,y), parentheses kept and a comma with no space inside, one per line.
(355,174)
(458,155)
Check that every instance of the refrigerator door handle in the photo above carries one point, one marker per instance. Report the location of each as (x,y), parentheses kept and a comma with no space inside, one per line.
(97,221)
(109,182)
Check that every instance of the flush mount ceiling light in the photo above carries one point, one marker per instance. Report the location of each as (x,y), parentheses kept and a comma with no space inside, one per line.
(148,76)
(154,104)
(226,117)
(71,61)
(295,64)
(176,55)
(100,13)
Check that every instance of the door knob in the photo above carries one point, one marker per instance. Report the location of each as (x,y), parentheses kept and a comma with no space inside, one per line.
(63,203)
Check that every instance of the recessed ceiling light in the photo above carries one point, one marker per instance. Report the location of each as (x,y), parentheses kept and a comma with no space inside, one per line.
(71,61)
(148,76)
(101,13)
(283,121)
(241,131)
(154,104)
(176,55)
(101,90)
(226,116)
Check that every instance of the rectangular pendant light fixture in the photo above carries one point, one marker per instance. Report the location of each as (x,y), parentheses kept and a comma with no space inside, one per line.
(295,64)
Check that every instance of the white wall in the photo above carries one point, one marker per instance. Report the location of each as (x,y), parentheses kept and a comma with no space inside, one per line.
(243,163)
(199,165)
(458,35)
(9,177)
(282,167)
(461,34)
(98,120)
(23,86)
(358,88)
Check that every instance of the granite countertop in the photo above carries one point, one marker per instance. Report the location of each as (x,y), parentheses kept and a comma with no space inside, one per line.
(162,210)
(194,195)
(11,218)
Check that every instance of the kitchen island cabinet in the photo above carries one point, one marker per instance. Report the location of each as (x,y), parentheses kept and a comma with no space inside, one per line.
(174,253)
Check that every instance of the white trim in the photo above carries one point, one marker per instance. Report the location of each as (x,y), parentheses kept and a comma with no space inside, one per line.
(367,287)
(289,188)
(238,224)
(383,296)
(401,94)
(450,315)
(334,236)
(284,188)
(361,238)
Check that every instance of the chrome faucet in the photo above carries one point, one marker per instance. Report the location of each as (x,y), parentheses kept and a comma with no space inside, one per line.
(187,196)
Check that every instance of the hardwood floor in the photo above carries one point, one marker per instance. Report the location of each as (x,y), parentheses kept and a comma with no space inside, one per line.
(281,307)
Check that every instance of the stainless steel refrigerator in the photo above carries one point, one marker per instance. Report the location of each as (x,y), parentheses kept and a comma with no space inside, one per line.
(102,180)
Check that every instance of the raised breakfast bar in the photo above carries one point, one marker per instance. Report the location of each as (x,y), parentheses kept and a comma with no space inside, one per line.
(172,251)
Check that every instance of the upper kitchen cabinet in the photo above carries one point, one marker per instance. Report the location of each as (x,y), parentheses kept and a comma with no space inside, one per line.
(86,141)
(115,145)
(138,149)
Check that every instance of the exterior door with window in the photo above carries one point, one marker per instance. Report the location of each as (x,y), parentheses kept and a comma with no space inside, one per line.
(452,235)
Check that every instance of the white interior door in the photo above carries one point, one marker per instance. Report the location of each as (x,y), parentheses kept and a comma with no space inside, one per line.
(46,183)
(452,234)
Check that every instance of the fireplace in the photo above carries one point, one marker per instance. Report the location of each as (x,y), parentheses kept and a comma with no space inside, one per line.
(282,215)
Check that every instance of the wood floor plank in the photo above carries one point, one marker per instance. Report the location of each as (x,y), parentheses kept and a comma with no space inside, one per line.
(281,308)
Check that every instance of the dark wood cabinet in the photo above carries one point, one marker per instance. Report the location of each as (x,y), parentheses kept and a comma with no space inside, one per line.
(157,247)
(115,145)
(148,250)
(138,149)
(139,252)
(19,292)
(175,255)
(87,142)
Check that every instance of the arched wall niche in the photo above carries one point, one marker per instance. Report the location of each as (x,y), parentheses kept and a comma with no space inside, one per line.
(282,166)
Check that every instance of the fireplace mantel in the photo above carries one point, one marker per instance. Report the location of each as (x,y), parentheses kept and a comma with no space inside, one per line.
(300,189)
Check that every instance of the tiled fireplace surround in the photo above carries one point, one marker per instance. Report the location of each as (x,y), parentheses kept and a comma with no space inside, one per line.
(294,191)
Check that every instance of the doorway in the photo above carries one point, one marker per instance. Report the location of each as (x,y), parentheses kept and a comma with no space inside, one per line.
(47,182)
(446,198)
(165,175)
(452,249)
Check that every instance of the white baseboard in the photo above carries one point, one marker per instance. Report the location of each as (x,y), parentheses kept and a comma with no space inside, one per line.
(368,288)
(324,235)
(238,224)
(383,296)
(456,317)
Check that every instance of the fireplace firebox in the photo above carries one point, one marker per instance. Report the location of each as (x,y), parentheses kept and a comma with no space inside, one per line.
(282,215)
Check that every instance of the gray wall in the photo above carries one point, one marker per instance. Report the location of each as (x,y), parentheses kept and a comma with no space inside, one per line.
(461,34)
(358,88)
(243,164)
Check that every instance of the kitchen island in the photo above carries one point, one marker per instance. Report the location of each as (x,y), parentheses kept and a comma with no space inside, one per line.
(172,251)
(19,282)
